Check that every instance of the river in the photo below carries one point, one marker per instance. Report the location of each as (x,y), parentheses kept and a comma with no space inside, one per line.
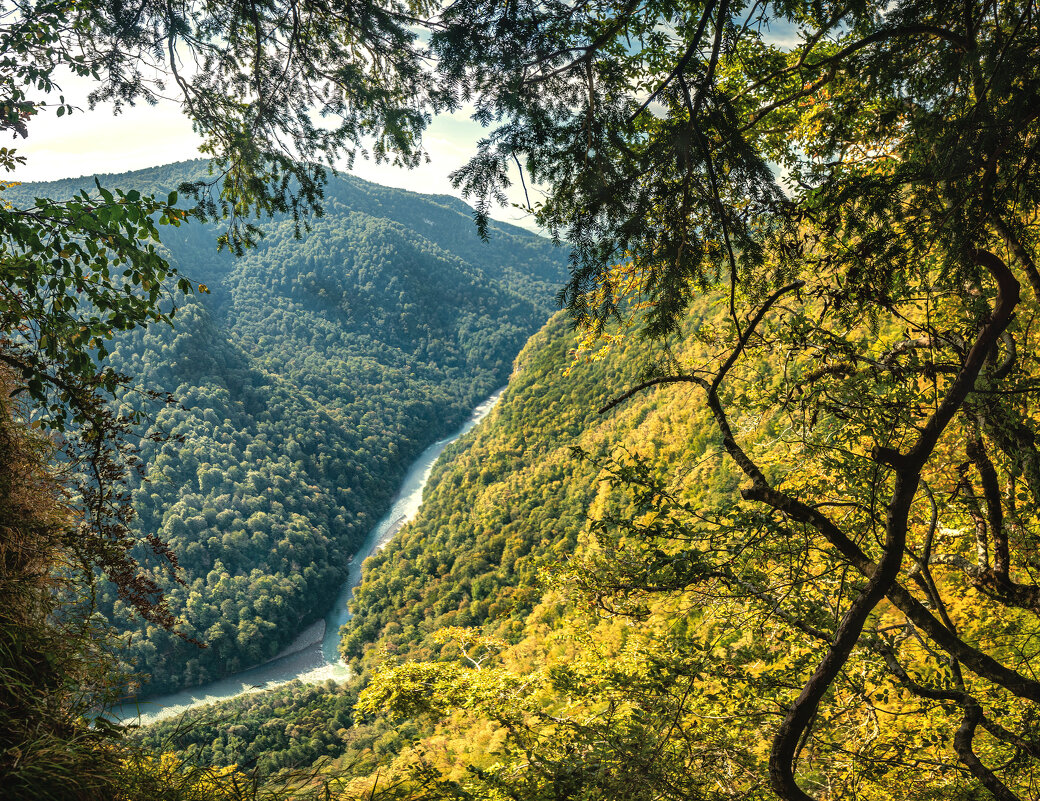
(314,655)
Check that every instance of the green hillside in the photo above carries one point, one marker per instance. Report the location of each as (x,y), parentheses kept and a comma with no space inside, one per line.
(306,381)
(504,510)
(553,625)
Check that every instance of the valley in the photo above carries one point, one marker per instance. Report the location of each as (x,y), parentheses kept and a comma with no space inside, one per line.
(306,380)
(314,657)
(726,488)
(504,514)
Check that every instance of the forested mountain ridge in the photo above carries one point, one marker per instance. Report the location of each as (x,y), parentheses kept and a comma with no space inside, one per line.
(510,251)
(307,380)
(504,512)
(532,625)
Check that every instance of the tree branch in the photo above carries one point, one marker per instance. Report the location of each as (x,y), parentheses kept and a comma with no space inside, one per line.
(883,575)
(653,382)
(962,744)
(682,63)
(994,507)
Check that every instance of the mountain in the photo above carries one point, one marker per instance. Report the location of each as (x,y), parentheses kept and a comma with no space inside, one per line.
(306,381)
(505,509)
(540,631)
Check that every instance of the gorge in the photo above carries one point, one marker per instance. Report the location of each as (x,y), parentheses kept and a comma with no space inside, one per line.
(306,380)
(315,655)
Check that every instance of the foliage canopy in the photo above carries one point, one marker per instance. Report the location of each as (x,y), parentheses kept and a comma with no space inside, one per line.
(895,526)
(860,194)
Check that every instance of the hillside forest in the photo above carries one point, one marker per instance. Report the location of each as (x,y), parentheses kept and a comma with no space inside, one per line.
(305,381)
(757,516)
(503,648)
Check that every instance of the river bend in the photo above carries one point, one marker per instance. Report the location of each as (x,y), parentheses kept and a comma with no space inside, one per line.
(314,655)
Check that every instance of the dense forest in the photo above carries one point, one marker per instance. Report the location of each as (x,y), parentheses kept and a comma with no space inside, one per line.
(503,512)
(518,631)
(493,553)
(759,515)
(306,380)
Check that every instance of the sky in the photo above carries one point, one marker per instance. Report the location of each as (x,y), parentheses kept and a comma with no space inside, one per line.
(97,141)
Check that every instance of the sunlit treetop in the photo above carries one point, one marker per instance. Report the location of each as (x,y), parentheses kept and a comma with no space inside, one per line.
(727,140)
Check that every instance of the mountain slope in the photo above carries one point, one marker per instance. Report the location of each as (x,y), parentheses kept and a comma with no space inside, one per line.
(308,380)
(612,670)
(506,505)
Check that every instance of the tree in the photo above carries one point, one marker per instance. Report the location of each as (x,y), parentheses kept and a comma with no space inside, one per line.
(275,90)
(861,196)
(253,79)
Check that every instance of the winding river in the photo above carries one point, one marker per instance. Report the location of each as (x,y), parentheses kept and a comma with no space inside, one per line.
(314,655)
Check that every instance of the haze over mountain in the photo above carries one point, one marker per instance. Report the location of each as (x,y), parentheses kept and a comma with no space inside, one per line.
(307,380)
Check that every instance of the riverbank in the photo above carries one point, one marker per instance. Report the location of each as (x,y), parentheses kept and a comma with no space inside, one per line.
(310,636)
(310,658)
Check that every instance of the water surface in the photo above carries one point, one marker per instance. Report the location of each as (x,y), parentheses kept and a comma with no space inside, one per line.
(314,655)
